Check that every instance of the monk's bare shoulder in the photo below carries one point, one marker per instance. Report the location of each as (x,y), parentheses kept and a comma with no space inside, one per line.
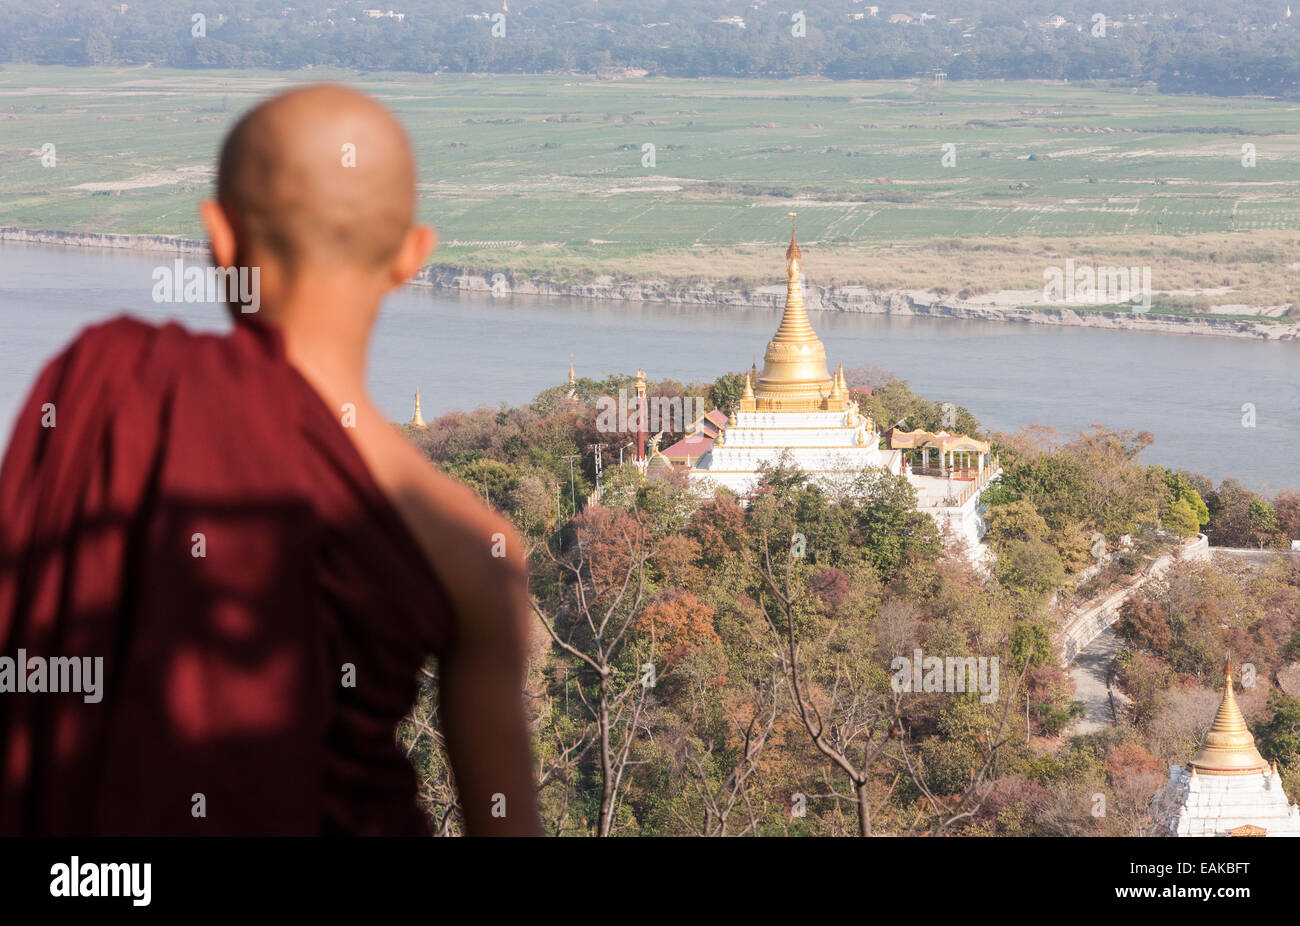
(474,550)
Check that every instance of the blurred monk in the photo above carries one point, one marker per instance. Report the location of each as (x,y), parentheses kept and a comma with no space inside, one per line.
(261,563)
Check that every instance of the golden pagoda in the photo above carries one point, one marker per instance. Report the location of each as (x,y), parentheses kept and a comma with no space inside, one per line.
(417,420)
(1229,748)
(795,377)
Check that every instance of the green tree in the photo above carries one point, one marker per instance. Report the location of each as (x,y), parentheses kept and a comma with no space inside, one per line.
(1182,489)
(1018,520)
(99,48)
(1263,521)
(1180,518)
(1031,567)
(887,524)
(726,391)
(1279,738)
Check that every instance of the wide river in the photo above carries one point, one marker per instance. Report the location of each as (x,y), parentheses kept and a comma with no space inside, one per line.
(463,351)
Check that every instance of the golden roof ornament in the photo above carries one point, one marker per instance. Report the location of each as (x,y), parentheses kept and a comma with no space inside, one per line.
(747,403)
(1229,748)
(417,420)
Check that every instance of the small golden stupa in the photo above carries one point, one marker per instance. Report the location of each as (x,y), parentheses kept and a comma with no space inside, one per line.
(417,420)
(1229,748)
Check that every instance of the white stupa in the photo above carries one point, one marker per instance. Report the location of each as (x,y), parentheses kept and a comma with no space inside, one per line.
(1228,789)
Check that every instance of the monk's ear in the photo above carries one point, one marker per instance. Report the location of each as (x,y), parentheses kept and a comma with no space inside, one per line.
(416,247)
(221,235)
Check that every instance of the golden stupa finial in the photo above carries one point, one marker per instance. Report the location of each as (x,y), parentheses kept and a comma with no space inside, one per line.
(417,420)
(572,379)
(1229,748)
(749,386)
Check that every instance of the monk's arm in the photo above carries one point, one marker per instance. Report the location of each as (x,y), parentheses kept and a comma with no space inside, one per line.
(480,560)
(482,679)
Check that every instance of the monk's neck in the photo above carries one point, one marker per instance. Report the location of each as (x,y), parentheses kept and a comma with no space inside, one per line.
(326,337)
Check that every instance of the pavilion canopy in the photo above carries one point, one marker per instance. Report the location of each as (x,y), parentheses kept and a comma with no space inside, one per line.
(939,440)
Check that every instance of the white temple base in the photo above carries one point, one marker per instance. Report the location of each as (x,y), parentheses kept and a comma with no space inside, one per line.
(833,448)
(1215,805)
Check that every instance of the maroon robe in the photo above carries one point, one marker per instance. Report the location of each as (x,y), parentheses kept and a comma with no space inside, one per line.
(223,674)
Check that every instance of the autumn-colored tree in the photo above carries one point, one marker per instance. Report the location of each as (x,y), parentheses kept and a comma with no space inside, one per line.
(679,623)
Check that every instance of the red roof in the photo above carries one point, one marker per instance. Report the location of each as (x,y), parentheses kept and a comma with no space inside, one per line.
(701,442)
(692,448)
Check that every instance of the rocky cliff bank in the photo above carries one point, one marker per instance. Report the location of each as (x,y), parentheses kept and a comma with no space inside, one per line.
(827,298)
(852,299)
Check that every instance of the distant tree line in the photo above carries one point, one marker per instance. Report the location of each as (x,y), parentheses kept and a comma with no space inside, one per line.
(1235,47)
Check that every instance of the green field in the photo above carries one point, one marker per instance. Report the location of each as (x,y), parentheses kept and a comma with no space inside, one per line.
(544,174)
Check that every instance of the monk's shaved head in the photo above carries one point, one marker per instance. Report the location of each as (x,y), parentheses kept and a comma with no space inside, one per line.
(287,183)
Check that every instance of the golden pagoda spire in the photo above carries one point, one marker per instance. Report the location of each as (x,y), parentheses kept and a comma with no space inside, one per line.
(1229,748)
(794,377)
(747,403)
(572,379)
(794,323)
(417,420)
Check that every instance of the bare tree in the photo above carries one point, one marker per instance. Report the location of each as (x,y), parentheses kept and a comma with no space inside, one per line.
(604,592)
(948,810)
(422,732)
(848,722)
(719,801)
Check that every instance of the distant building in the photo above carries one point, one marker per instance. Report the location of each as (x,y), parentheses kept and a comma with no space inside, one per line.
(901,18)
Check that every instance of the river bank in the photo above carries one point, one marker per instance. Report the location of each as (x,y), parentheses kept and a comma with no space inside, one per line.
(848,299)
